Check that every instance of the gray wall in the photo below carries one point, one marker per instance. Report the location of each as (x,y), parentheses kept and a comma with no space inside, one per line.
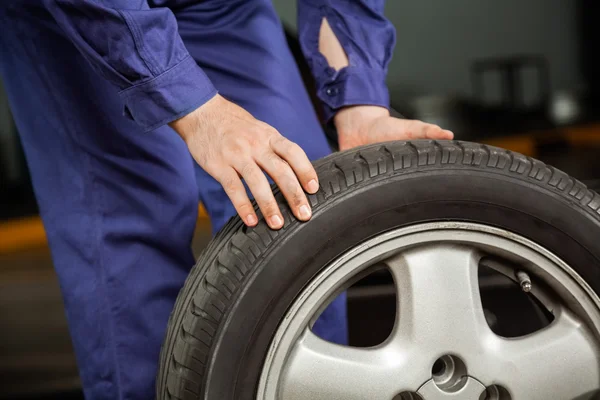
(438,39)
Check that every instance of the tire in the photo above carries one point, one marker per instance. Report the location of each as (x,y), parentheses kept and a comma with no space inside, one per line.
(238,292)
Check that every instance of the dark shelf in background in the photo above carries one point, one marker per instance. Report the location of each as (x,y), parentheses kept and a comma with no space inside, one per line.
(17,201)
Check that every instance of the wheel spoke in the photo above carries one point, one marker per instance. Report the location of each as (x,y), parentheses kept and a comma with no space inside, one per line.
(320,370)
(561,361)
(441,339)
(439,306)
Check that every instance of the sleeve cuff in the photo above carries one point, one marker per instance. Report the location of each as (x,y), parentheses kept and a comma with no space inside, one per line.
(353,86)
(168,96)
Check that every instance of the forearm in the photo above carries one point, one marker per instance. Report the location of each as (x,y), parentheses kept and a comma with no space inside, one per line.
(331,48)
(348,46)
(350,118)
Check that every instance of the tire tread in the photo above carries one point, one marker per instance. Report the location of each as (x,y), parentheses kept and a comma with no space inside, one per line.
(225,264)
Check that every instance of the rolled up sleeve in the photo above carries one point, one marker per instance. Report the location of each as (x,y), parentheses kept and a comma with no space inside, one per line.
(139,50)
(368,39)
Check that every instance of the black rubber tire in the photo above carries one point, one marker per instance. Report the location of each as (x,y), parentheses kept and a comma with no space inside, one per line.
(239,290)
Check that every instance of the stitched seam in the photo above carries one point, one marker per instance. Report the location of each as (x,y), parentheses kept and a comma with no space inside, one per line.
(364,71)
(157,80)
(147,54)
(87,160)
(139,43)
(109,302)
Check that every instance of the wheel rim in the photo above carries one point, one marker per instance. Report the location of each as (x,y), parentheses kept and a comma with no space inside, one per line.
(440,319)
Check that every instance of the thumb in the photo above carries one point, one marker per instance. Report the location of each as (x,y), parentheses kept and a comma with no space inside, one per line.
(395,128)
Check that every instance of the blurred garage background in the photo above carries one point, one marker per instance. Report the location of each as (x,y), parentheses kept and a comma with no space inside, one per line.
(520,75)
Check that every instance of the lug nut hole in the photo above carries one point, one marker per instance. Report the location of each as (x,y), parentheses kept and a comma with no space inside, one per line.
(495,392)
(408,396)
(449,373)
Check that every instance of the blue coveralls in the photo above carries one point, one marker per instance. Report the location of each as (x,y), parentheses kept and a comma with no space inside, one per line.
(92,84)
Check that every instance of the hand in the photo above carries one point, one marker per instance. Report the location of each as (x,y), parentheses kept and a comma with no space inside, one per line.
(231,144)
(360,125)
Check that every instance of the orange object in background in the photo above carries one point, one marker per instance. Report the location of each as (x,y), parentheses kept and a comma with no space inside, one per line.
(27,233)
(22,234)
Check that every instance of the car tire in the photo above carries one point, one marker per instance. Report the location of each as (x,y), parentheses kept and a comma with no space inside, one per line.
(237,294)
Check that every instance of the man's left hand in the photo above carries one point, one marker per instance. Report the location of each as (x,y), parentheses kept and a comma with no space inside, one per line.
(361,125)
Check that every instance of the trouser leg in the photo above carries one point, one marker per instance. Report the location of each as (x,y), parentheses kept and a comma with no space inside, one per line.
(119,206)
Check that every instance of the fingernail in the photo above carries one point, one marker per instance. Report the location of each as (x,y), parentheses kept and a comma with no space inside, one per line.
(313,186)
(275,221)
(251,219)
(304,212)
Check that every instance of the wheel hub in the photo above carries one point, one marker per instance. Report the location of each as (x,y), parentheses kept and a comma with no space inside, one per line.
(450,381)
(439,314)
(469,388)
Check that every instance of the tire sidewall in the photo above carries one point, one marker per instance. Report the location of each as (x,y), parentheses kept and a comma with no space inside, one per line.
(370,208)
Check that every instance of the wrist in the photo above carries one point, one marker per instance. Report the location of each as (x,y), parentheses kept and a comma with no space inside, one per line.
(183,126)
(357,119)
(189,123)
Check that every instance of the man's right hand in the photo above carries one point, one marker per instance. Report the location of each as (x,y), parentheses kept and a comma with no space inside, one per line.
(230,144)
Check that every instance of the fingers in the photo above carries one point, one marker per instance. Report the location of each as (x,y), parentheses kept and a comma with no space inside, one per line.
(291,172)
(415,129)
(298,160)
(434,132)
(423,130)
(260,188)
(231,145)
(235,190)
(286,179)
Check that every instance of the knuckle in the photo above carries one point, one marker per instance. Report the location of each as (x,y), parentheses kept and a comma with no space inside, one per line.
(245,208)
(230,184)
(252,141)
(292,150)
(276,162)
(268,155)
(238,143)
(308,171)
(271,207)
(415,124)
(298,197)
(234,151)
(273,164)
(292,189)
(285,176)
(274,133)
(276,140)
(248,168)
(294,147)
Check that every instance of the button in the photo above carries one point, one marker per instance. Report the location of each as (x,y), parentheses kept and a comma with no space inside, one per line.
(332,91)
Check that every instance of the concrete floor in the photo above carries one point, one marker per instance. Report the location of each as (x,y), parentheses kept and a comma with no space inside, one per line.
(36,355)
(33,344)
